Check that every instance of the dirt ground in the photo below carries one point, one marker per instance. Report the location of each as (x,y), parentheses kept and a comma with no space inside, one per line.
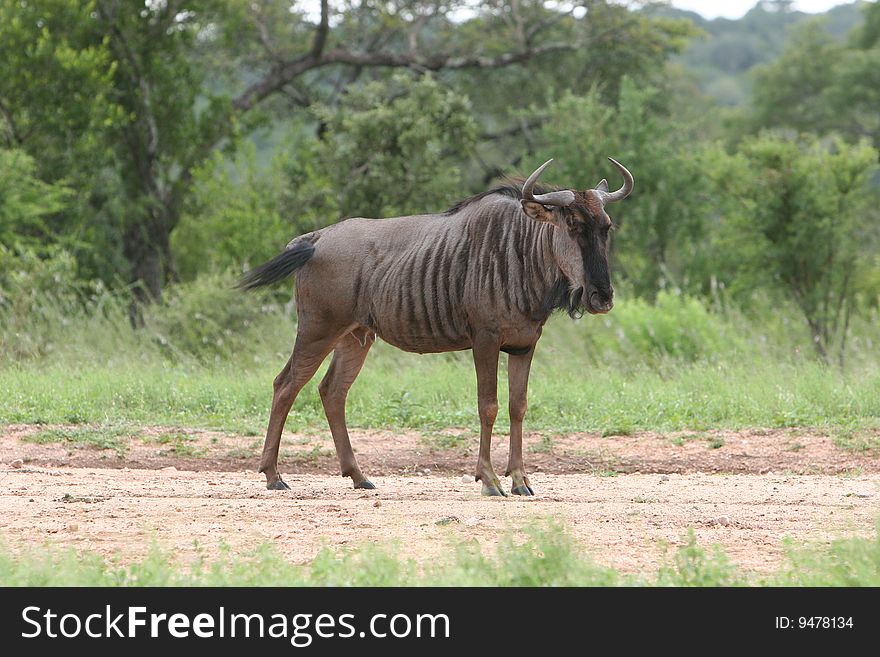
(624,497)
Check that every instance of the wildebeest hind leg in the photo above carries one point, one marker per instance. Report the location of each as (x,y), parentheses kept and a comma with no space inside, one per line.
(346,364)
(308,354)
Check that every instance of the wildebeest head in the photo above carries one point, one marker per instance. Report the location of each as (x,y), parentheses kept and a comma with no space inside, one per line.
(586,231)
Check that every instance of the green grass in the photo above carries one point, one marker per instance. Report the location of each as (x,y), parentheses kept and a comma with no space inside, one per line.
(89,437)
(179,444)
(310,456)
(625,429)
(857,440)
(432,393)
(672,365)
(545,446)
(548,556)
(441,441)
(679,441)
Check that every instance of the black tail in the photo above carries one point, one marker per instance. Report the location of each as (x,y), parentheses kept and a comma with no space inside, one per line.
(279,267)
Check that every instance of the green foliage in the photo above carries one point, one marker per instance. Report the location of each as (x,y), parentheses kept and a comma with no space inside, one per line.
(38,295)
(725,59)
(787,92)
(801,217)
(846,562)
(209,321)
(25,200)
(55,83)
(395,146)
(57,105)
(233,216)
(390,147)
(111,103)
(244,212)
(821,85)
(675,326)
(79,437)
(619,43)
(691,565)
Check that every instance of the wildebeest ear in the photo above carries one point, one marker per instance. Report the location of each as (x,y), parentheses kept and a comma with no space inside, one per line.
(537,211)
(602,186)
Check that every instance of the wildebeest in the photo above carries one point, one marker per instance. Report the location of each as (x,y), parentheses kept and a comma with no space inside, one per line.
(484,275)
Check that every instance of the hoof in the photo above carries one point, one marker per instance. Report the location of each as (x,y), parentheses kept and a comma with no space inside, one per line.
(492,491)
(366,483)
(522,490)
(278,485)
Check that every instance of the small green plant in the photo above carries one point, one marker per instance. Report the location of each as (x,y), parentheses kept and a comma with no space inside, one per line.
(679,441)
(179,444)
(544,446)
(692,565)
(240,453)
(620,429)
(444,442)
(851,473)
(309,456)
(715,442)
(858,440)
(85,437)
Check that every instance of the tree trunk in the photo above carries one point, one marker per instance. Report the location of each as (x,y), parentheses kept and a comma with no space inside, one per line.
(816,333)
(147,247)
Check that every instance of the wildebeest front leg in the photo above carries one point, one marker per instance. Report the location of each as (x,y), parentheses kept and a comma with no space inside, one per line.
(486,364)
(308,354)
(518,381)
(347,362)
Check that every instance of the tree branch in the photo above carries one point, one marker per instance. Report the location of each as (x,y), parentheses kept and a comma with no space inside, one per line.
(283,74)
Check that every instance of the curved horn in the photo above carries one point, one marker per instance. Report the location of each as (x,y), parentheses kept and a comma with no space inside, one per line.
(562,198)
(623,192)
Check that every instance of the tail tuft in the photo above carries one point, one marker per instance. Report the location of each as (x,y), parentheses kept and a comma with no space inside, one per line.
(279,267)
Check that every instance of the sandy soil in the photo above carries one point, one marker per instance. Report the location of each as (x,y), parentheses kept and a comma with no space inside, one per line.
(624,497)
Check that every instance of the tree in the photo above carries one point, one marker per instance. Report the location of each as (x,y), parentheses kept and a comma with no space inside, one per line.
(824,86)
(394,147)
(388,148)
(800,217)
(790,91)
(159,73)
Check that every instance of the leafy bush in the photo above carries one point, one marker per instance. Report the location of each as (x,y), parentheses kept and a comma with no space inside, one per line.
(25,200)
(208,320)
(676,326)
(40,298)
